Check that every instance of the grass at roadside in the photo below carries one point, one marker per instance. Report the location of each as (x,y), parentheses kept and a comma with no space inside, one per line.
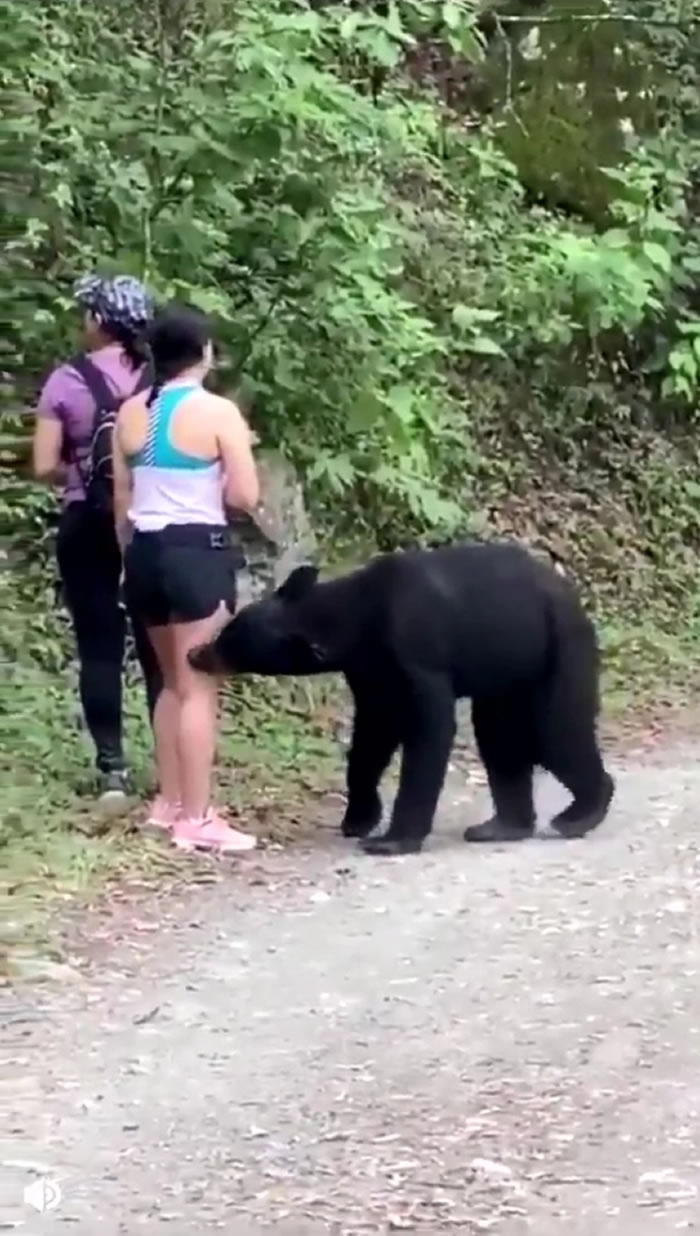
(646,669)
(277,751)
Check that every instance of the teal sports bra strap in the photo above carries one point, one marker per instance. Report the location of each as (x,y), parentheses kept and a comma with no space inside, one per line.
(158,451)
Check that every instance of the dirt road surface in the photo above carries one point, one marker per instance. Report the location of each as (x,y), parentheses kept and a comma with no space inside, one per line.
(474,1040)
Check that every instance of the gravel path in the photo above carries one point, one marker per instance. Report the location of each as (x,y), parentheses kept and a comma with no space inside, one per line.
(467,1041)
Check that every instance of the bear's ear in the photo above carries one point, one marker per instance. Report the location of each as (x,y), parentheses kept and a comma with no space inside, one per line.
(298,584)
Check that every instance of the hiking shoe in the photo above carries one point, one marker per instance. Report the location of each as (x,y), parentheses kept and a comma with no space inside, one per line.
(212,833)
(113,788)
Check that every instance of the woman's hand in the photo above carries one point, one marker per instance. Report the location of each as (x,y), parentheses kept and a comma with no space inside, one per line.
(241,489)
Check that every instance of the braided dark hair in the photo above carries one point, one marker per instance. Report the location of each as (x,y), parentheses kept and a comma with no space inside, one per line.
(178,339)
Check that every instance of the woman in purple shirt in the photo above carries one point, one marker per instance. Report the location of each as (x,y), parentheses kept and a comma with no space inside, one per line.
(117,313)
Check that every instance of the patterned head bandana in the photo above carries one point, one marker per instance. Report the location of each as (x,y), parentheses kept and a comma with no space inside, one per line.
(122,301)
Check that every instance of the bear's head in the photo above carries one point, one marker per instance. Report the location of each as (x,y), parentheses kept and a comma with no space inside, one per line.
(284,633)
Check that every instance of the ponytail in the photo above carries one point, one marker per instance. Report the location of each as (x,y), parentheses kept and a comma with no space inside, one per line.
(154,392)
(162,373)
(177,337)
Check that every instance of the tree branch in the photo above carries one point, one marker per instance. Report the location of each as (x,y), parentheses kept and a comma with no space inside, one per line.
(579,19)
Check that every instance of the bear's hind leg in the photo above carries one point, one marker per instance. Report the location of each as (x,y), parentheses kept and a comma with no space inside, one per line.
(502,729)
(574,759)
(375,738)
(568,749)
(427,709)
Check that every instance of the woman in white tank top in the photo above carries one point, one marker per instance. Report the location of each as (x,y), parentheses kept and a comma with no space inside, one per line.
(181,456)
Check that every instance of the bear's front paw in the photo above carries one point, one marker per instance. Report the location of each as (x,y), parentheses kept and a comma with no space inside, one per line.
(361,823)
(356,826)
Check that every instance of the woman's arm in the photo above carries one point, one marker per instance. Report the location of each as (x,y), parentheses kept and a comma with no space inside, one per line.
(241,486)
(47,442)
(121,488)
(46,449)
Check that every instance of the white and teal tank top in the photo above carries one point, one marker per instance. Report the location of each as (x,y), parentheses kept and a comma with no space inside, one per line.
(169,486)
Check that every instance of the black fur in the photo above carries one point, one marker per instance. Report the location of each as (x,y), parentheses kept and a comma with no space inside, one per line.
(412,633)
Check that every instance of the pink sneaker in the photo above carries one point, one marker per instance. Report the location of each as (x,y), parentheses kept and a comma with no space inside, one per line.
(162,815)
(211,833)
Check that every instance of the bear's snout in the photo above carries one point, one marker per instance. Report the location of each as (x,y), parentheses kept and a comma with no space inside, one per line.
(206,659)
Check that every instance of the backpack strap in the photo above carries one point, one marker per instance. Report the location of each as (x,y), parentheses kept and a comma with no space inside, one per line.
(104,400)
(104,397)
(145,381)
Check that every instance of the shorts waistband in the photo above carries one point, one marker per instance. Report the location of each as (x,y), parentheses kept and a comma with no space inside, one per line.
(189,536)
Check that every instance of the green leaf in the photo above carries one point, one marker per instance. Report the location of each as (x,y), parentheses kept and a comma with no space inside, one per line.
(452,15)
(463,317)
(400,399)
(380,48)
(364,412)
(484,346)
(616,238)
(350,24)
(657,255)
(393,23)
(337,470)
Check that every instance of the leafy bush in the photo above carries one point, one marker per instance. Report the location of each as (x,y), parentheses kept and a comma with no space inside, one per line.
(257,189)
(359,248)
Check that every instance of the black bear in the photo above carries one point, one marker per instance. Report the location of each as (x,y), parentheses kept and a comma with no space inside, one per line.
(413,632)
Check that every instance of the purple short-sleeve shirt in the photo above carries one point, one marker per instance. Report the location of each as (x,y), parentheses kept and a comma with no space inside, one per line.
(66,399)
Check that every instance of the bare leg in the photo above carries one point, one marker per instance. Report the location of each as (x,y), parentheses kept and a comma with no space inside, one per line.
(165,720)
(197,696)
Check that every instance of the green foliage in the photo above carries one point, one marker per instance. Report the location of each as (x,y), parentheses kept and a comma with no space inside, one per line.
(255,188)
(581,85)
(439,339)
(274,191)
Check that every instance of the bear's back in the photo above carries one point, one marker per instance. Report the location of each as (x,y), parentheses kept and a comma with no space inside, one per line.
(478,612)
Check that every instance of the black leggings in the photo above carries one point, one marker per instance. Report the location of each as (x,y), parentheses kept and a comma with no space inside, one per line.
(89,564)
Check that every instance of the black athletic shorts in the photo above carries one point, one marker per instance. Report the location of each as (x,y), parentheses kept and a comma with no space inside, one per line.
(181,574)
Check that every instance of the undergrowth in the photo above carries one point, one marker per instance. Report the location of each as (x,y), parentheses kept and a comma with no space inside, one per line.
(278,752)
